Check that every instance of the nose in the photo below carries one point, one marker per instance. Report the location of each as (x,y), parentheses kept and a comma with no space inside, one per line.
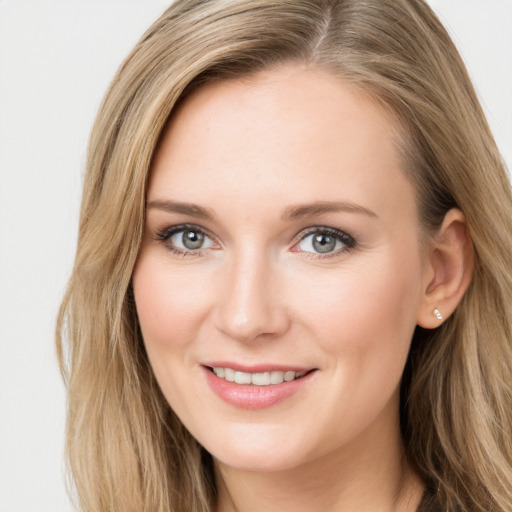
(250,305)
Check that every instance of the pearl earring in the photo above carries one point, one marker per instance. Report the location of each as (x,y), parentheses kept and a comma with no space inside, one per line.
(438,314)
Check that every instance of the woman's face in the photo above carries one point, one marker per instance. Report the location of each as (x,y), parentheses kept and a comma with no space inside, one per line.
(282,250)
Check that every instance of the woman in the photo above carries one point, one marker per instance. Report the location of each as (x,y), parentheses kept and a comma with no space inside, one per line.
(292,283)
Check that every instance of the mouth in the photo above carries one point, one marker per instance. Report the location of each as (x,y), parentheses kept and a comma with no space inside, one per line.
(268,378)
(256,386)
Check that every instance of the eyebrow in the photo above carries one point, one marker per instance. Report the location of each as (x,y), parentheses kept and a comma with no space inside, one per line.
(193,210)
(309,210)
(291,213)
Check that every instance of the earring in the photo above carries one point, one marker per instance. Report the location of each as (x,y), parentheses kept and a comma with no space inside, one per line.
(438,314)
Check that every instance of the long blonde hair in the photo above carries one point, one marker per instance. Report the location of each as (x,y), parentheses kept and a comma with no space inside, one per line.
(127,449)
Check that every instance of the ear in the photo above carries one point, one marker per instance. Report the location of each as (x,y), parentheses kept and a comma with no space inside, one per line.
(448,271)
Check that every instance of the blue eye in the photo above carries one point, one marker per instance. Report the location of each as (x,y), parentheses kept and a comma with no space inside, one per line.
(183,239)
(325,241)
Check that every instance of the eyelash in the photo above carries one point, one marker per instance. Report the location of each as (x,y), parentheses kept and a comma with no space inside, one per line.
(349,243)
(164,236)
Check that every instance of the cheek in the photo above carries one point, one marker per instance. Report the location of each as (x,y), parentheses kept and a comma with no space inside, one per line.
(363,321)
(170,303)
(367,312)
(170,306)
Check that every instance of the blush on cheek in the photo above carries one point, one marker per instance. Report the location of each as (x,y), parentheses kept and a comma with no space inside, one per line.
(171,301)
(374,309)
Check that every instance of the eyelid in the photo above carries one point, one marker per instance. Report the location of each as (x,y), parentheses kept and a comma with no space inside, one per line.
(175,228)
(348,241)
(164,235)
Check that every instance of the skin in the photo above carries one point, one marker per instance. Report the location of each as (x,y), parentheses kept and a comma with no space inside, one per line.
(248,151)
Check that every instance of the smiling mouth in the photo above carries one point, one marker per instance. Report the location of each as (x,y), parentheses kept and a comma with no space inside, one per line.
(257,379)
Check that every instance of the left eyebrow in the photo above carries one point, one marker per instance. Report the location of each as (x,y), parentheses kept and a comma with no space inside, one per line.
(305,210)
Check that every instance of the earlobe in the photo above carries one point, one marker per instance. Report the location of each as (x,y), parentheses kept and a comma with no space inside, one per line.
(448,272)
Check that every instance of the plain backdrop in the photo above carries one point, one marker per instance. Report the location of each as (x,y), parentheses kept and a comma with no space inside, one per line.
(56,60)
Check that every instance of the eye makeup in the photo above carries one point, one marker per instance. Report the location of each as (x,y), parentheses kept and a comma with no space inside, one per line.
(316,241)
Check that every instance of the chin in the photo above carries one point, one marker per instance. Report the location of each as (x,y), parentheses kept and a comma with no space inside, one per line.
(257,462)
(257,453)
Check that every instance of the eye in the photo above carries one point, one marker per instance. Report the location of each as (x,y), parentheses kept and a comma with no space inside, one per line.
(190,239)
(325,241)
(185,239)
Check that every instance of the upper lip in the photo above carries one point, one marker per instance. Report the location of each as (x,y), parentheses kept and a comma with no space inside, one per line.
(257,368)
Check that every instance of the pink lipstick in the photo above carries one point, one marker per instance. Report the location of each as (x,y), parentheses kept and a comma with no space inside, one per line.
(255,386)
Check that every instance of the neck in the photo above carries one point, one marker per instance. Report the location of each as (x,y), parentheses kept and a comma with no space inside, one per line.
(367,476)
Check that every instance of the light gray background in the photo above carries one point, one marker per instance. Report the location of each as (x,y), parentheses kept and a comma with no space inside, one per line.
(56,60)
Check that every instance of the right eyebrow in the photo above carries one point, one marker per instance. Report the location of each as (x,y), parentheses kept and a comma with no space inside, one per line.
(191,209)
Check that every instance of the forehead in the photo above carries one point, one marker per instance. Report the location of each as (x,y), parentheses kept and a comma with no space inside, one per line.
(294,132)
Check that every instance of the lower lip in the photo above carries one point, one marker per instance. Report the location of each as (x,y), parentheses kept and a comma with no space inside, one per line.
(248,396)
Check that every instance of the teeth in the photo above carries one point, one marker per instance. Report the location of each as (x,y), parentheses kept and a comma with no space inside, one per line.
(288,376)
(257,379)
(242,378)
(261,379)
(276,377)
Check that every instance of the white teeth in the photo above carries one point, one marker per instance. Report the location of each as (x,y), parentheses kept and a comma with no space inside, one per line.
(242,378)
(261,379)
(276,377)
(288,376)
(257,379)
